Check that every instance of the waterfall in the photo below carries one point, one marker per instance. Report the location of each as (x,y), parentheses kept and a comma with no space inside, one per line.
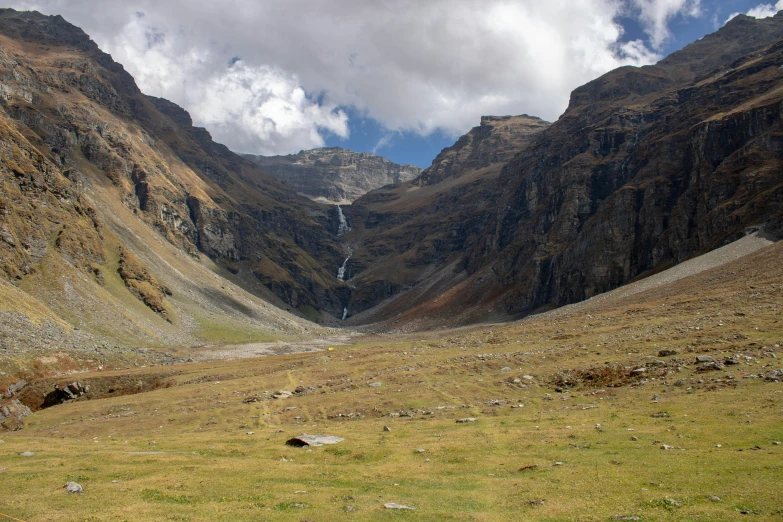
(343,227)
(341,270)
(345,312)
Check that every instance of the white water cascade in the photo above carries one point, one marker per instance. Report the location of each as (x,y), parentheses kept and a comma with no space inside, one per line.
(343,227)
(345,313)
(341,270)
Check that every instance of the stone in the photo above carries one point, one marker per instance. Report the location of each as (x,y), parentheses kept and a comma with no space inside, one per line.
(313,440)
(386,428)
(639,371)
(27,454)
(420,450)
(634,438)
(660,415)
(528,377)
(774,376)
(704,359)
(375,385)
(73,487)
(505,369)
(656,397)
(626,517)
(666,447)
(667,353)
(14,388)
(466,419)
(715,498)
(282,394)
(394,505)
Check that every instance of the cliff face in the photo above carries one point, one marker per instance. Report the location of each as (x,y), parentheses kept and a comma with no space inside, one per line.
(73,121)
(638,175)
(648,167)
(403,235)
(495,141)
(334,174)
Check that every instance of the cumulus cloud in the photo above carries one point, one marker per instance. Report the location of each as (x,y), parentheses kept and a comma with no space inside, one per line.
(272,76)
(761,11)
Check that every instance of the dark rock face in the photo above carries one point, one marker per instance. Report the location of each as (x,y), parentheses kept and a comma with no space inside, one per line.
(71,119)
(496,140)
(335,174)
(402,234)
(635,176)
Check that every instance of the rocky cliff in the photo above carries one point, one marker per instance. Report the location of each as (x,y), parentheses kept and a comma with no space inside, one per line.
(648,166)
(334,174)
(633,179)
(404,235)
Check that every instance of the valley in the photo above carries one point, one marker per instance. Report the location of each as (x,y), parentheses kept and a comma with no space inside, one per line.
(567,320)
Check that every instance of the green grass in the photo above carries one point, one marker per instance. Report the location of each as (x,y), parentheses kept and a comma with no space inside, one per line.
(187,452)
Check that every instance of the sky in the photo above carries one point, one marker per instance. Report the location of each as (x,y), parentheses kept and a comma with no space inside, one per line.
(400,78)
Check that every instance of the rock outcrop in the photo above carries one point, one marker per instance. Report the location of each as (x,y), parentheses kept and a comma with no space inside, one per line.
(334,174)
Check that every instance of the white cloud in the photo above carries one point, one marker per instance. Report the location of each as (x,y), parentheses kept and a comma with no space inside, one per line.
(411,65)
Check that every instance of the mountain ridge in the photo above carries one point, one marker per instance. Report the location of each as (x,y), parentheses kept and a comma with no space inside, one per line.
(334,174)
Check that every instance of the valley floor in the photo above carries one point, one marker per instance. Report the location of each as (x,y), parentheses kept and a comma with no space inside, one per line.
(661,404)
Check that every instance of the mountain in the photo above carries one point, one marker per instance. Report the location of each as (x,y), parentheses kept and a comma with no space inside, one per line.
(122,219)
(334,174)
(405,235)
(646,168)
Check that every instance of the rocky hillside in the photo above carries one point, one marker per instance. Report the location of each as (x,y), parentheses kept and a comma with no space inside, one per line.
(403,236)
(117,213)
(334,174)
(648,167)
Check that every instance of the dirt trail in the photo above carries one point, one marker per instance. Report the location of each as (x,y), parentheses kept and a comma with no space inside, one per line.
(244,351)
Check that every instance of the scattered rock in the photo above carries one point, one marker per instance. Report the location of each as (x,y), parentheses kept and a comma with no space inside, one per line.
(420,450)
(73,487)
(536,502)
(672,501)
(634,438)
(774,376)
(704,359)
(660,415)
(386,428)
(656,397)
(313,440)
(375,384)
(248,400)
(715,498)
(466,419)
(27,454)
(558,463)
(667,447)
(667,353)
(639,371)
(282,394)
(626,517)
(528,467)
(528,377)
(505,369)
(394,505)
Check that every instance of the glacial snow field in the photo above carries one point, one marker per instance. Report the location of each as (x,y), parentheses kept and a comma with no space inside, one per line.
(579,415)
